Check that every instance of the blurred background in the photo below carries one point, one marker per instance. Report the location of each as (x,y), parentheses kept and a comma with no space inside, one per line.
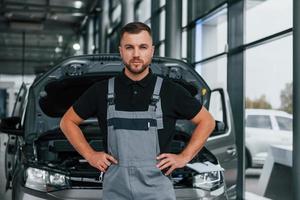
(37,34)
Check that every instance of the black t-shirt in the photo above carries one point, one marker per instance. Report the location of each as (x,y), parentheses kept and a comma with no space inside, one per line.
(176,102)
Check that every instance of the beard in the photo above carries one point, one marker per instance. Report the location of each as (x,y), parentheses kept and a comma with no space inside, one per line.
(136,69)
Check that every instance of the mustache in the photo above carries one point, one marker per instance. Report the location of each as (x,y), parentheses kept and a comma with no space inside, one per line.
(136,60)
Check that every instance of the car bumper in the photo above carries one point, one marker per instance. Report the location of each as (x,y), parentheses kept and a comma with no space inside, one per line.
(93,194)
(19,192)
(197,194)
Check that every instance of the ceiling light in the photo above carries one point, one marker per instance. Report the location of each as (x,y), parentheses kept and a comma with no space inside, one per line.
(57,50)
(78,14)
(53,16)
(78,4)
(76,46)
(98,9)
(60,39)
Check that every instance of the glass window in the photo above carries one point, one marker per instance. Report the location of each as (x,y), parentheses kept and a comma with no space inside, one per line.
(184,13)
(116,14)
(284,123)
(142,12)
(162,3)
(211,35)
(162,49)
(263,18)
(269,67)
(162,25)
(214,72)
(91,46)
(258,121)
(184,44)
(81,43)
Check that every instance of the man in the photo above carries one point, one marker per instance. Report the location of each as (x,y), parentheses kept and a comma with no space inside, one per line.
(137,112)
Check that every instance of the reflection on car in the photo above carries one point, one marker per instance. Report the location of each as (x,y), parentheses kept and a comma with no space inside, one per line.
(264,128)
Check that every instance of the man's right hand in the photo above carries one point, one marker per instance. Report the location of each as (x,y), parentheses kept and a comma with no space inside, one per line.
(101,160)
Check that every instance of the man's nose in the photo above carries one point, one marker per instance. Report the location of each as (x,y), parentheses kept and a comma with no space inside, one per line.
(136,52)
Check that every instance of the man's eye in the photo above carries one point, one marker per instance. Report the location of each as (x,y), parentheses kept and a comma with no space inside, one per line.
(143,47)
(128,47)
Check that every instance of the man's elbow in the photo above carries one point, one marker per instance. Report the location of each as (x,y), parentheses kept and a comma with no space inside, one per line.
(62,123)
(212,125)
(70,118)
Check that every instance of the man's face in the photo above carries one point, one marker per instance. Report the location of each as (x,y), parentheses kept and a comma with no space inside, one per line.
(136,51)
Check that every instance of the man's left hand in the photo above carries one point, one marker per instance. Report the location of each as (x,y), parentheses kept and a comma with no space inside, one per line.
(171,161)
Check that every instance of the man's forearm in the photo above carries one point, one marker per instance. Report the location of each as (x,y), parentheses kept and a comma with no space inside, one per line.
(198,139)
(76,138)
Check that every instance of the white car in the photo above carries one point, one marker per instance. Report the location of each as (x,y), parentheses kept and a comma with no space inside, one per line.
(264,128)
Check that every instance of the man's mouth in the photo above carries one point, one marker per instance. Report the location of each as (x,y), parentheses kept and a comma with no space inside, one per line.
(136,61)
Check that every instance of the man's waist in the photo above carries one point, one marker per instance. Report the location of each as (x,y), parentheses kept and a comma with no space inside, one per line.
(137,162)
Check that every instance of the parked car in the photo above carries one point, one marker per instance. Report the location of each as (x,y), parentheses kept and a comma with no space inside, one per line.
(265,128)
(46,166)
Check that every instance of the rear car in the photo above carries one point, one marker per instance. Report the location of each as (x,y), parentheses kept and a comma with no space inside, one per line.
(266,127)
(44,165)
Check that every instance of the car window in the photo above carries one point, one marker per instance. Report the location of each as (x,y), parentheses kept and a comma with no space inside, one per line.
(284,123)
(258,121)
(215,106)
(218,111)
(20,102)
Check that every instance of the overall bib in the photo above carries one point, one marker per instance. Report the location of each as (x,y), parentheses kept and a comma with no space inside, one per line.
(133,140)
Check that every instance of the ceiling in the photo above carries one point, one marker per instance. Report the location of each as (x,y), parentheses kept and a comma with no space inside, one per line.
(34,34)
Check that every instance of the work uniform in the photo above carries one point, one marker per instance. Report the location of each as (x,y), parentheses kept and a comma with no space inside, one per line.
(133,141)
(127,118)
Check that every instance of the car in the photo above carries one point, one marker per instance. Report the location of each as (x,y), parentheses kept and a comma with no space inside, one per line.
(265,127)
(44,165)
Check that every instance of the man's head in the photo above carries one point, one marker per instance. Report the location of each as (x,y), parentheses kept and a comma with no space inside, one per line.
(136,47)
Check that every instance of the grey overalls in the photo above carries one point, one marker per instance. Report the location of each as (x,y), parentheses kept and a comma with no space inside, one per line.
(133,140)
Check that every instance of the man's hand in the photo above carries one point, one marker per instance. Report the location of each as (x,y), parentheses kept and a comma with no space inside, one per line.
(101,160)
(171,161)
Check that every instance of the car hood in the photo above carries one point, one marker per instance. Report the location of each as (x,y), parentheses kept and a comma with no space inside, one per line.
(54,92)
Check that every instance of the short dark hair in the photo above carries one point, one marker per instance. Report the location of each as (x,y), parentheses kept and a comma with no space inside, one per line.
(134,28)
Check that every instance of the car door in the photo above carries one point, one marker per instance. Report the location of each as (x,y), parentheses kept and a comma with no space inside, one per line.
(9,143)
(222,143)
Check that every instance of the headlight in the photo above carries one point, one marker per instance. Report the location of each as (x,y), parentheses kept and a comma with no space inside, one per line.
(43,180)
(208,180)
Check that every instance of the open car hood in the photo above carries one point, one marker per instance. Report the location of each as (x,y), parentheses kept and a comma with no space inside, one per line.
(54,92)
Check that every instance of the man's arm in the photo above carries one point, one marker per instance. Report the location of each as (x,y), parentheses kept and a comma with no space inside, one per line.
(205,124)
(69,124)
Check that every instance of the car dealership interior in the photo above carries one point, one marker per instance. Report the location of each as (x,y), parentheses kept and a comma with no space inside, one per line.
(238,58)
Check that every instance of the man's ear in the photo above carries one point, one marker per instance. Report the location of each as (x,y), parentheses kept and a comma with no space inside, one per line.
(120,51)
(153,50)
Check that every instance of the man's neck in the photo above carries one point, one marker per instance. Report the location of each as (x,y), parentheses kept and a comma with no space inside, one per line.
(136,77)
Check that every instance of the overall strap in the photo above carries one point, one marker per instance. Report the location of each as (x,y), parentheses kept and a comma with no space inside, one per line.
(157,87)
(111,92)
(156,102)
